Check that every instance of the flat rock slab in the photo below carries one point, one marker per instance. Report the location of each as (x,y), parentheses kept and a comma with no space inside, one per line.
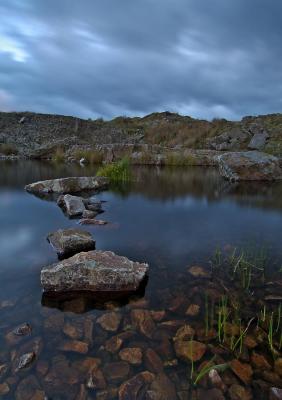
(68,185)
(94,271)
(249,166)
(67,242)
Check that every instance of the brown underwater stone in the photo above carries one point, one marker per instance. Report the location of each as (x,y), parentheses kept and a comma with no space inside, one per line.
(136,387)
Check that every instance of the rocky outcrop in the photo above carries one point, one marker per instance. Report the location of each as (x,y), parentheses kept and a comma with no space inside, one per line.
(68,185)
(249,166)
(144,140)
(94,271)
(258,141)
(67,242)
(234,139)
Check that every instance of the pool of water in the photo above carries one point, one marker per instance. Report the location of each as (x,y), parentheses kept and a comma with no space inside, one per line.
(171,218)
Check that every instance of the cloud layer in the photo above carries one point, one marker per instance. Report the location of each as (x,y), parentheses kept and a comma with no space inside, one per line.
(105,58)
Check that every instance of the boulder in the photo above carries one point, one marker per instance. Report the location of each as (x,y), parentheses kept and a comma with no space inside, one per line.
(258,141)
(249,166)
(72,205)
(233,139)
(67,242)
(68,185)
(94,271)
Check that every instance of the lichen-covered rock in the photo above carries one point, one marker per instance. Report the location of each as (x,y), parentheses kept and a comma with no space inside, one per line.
(94,271)
(73,206)
(249,166)
(67,242)
(233,139)
(258,141)
(68,185)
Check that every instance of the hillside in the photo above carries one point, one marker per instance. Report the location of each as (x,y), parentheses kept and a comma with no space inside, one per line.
(34,135)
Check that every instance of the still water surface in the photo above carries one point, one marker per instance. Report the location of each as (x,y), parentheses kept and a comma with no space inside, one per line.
(168,217)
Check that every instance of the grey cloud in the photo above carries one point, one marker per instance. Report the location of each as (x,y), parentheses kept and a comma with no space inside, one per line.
(109,58)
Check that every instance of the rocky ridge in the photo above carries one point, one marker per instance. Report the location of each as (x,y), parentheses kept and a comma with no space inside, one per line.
(149,139)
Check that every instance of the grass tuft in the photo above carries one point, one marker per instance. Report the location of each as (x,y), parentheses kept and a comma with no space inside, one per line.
(116,172)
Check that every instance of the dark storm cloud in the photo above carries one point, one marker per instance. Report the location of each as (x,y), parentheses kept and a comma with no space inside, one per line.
(104,58)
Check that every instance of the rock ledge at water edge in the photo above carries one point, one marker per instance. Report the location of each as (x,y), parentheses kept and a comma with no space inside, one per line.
(68,185)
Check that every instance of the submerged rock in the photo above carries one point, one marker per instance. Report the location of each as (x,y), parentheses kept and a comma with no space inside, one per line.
(110,321)
(243,371)
(238,392)
(88,214)
(142,320)
(73,206)
(4,389)
(189,350)
(133,355)
(25,360)
(67,242)
(22,330)
(92,221)
(249,166)
(275,393)
(136,387)
(68,185)
(75,346)
(94,271)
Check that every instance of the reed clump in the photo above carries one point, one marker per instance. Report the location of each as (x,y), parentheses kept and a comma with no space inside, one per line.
(116,172)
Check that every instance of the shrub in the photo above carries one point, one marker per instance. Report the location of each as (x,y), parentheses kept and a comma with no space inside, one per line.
(59,155)
(8,149)
(116,172)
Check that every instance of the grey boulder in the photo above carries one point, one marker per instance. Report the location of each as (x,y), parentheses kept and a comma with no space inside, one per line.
(68,185)
(258,141)
(94,271)
(67,242)
(72,205)
(249,166)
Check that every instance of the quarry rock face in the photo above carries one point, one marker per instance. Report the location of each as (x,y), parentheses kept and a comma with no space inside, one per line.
(68,185)
(249,166)
(94,271)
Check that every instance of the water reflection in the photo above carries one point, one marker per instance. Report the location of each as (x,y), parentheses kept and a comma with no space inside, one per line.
(169,217)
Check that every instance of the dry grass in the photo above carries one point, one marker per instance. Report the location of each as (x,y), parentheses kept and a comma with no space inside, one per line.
(91,156)
(8,149)
(59,155)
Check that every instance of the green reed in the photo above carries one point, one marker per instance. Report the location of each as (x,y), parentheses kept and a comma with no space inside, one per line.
(270,332)
(278,318)
(206,314)
(239,342)
(222,319)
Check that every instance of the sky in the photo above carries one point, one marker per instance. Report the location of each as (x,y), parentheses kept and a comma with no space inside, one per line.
(104,58)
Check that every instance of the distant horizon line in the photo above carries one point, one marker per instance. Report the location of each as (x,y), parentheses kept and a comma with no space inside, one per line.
(139,116)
